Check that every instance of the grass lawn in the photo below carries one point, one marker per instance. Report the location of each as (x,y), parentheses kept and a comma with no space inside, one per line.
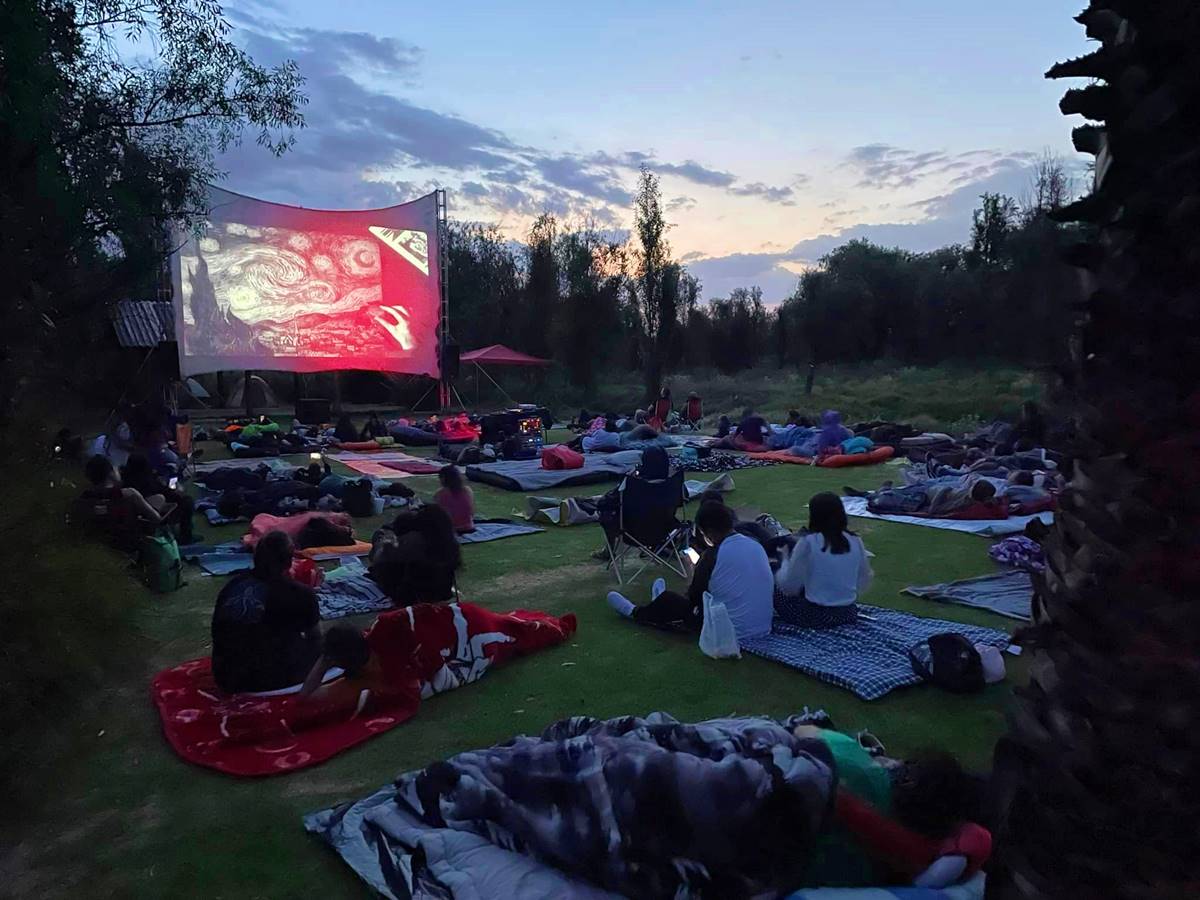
(126,817)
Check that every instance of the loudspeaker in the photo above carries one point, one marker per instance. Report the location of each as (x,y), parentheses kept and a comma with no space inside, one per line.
(314,410)
(451,359)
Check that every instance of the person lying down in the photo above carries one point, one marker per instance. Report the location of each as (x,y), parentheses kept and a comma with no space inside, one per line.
(728,808)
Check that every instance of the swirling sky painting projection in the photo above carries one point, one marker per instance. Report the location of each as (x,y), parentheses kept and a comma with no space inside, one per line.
(265,286)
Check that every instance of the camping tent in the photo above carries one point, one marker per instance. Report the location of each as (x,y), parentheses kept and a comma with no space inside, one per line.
(499,355)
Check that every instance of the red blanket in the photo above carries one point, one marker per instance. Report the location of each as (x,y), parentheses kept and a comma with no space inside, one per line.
(451,645)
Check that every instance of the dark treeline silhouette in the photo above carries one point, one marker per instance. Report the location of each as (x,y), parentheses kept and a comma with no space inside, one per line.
(598,304)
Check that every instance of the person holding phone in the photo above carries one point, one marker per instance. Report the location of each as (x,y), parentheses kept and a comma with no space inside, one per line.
(138,474)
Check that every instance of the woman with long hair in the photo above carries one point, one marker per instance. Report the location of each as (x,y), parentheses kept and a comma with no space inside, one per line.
(456,498)
(820,582)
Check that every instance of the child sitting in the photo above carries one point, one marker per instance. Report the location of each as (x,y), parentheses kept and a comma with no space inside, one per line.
(456,499)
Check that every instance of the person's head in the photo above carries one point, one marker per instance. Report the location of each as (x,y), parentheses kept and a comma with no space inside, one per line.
(640,417)
(451,478)
(437,529)
(747,412)
(655,465)
(99,471)
(793,417)
(831,417)
(934,796)
(983,491)
(345,646)
(665,393)
(273,555)
(1021,477)
(827,517)
(715,521)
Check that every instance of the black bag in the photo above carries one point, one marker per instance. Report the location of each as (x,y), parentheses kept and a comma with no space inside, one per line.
(950,661)
(358,499)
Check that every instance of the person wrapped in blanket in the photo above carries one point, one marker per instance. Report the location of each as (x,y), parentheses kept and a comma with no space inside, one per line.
(822,577)
(728,808)
(734,570)
(970,496)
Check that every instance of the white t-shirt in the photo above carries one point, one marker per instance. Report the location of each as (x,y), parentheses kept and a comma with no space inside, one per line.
(826,579)
(742,580)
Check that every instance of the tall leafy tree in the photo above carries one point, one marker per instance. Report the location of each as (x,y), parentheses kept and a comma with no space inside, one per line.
(657,287)
(991,226)
(102,149)
(589,326)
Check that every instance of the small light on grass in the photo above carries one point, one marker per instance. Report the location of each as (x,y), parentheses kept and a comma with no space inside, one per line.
(315,457)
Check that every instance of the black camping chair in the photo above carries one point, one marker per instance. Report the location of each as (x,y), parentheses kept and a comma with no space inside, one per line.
(647,524)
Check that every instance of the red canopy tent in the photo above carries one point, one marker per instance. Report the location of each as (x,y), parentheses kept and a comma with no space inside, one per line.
(499,355)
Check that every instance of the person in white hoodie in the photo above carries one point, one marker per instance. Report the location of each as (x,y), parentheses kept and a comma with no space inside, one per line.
(820,582)
(735,571)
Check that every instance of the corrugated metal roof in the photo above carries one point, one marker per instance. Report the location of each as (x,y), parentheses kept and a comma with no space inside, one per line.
(144,323)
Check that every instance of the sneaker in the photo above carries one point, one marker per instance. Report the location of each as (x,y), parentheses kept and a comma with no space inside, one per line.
(657,588)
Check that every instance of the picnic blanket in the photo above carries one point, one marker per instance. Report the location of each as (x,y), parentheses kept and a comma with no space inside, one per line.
(1008,593)
(857,506)
(726,462)
(253,735)
(834,461)
(496,531)
(870,657)
(349,591)
(528,474)
(640,807)
(276,464)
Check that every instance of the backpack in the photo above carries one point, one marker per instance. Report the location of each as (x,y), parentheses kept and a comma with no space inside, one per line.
(950,661)
(358,499)
(162,568)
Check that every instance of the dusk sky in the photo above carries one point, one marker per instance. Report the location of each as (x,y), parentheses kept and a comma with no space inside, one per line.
(780,129)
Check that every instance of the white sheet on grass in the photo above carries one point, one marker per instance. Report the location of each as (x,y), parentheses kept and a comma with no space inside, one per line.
(857,506)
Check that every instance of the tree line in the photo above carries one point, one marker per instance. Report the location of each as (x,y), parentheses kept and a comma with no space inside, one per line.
(596,303)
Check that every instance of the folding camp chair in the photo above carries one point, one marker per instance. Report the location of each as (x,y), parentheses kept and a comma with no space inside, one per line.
(693,412)
(646,525)
(184,449)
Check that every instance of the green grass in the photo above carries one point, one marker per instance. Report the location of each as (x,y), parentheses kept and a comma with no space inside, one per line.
(122,816)
(946,397)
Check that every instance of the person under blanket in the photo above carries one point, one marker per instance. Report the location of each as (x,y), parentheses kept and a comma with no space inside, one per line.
(456,498)
(821,580)
(735,571)
(897,821)
(394,658)
(832,433)
(265,633)
(965,497)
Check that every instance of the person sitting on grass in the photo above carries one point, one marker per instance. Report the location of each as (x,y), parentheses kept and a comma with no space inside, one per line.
(127,514)
(139,475)
(456,498)
(821,580)
(417,558)
(264,625)
(734,570)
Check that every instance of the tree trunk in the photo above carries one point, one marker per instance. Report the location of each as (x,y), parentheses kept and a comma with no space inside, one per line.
(1099,775)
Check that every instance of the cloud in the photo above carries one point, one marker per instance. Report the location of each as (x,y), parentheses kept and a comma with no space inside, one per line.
(571,173)
(946,219)
(782,195)
(681,204)
(885,167)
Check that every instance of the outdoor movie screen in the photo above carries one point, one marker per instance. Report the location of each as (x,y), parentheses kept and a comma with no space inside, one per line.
(267,286)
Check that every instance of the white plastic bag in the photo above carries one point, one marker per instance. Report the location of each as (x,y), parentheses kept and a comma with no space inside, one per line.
(717,637)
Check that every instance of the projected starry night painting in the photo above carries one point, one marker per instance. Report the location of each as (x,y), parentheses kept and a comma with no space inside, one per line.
(265,286)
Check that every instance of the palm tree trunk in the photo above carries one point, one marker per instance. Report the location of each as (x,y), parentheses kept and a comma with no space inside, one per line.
(1099,774)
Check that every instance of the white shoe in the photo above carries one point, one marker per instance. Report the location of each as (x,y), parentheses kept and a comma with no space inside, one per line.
(657,588)
(621,604)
